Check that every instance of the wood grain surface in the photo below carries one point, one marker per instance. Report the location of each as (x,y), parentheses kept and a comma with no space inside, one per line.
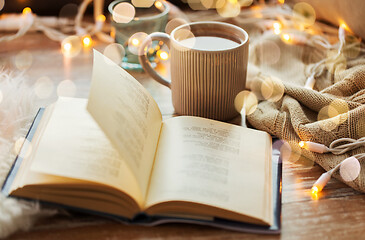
(338,213)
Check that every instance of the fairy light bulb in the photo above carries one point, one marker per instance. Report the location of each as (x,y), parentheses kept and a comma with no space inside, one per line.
(158,4)
(314,147)
(277,28)
(314,190)
(162,55)
(309,84)
(100,18)
(67,47)
(321,182)
(27,10)
(286,38)
(135,42)
(86,41)
(344,26)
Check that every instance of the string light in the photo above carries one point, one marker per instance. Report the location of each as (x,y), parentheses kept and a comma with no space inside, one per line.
(67,47)
(343,25)
(135,42)
(277,27)
(286,37)
(337,147)
(314,147)
(27,10)
(86,41)
(162,55)
(158,4)
(100,18)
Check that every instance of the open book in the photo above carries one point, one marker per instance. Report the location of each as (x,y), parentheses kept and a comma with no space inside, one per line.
(114,155)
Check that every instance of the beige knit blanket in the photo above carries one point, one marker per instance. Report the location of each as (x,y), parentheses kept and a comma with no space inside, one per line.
(305,114)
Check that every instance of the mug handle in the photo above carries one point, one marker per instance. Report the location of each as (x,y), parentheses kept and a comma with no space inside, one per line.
(146,63)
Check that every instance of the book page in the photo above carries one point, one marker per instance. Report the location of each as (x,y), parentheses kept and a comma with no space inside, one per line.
(127,114)
(73,146)
(212,163)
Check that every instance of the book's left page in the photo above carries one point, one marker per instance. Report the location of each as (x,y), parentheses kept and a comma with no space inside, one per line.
(127,114)
(70,147)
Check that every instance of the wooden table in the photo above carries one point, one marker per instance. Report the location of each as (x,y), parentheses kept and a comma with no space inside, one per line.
(338,213)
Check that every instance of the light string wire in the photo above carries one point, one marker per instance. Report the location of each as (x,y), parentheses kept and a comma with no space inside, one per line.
(284,14)
(32,21)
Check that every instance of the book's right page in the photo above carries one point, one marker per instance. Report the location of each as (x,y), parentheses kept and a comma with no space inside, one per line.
(213,163)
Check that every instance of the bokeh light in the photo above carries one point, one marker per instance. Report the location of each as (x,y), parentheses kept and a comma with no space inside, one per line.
(27,10)
(350,169)
(303,14)
(100,18)
(43,88)
(286,38)
(245,102)
(158,4)
(23,60)
(268,52)
(327,118)
(71,46)
(66,88)
(245,3)
(291,152)
(68,11)
(163,55)
(196,5)
(143,3)
(115,52)
(229,9)
(185,37)
(208,3)
(135,42)
(22,143)
(86,41)
(272,89)
(277,26)
(123,12)
(174,23)
(339,107)
(2,3)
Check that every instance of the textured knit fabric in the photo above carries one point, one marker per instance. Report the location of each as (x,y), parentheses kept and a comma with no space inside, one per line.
(298,115)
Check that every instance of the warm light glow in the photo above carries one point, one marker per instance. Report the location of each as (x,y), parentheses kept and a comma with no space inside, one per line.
(27,10)
(344,26)
(301,144)
(86,41)
(281,1)
(100,18)
(277,27)
(315,190)
(233,1)
(151,51)
(135,42)
(286,37)
(158,4)
(163,55)
(67,47)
